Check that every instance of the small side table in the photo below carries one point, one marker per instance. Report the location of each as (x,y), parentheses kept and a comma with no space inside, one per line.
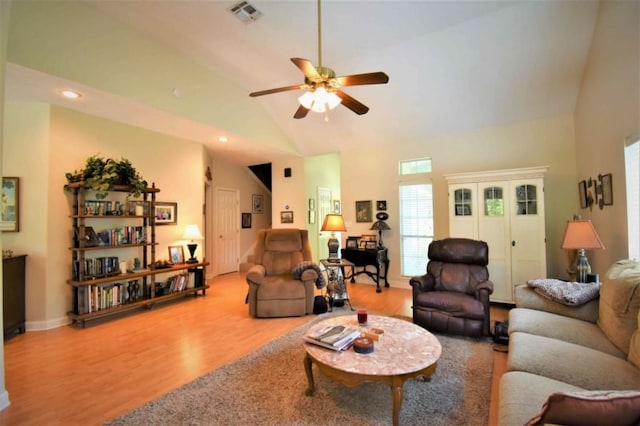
(336,275)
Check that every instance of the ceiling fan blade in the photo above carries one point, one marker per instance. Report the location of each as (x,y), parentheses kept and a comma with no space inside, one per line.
(351,103)
(278,90)
(301,112)
(307,69)
(360,79)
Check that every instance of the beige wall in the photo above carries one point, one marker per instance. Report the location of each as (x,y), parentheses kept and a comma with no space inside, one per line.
(549,142)
(607,111)
(52,141)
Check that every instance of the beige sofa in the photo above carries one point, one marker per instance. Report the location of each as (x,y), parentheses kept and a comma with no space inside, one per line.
(558,352)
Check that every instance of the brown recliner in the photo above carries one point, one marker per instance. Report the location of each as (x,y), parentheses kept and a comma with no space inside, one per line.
(273,290)
(453,296)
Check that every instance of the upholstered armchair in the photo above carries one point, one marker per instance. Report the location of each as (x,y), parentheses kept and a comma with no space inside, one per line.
(453,296)
(273,290)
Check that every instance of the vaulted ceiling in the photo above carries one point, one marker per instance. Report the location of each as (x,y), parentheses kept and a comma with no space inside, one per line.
(453,65)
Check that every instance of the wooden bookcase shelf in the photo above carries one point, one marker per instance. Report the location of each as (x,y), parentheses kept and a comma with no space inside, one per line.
(111,291)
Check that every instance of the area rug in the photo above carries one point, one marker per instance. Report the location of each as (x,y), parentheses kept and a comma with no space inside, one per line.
(267,386)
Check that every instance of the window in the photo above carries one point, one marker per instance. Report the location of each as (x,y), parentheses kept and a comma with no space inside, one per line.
(411,167)
(493,201)
(416,227)
(632,168)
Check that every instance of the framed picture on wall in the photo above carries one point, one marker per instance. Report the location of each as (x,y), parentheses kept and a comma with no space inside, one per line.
(246,220)
(607,190)
(256,203)
(286,217)
(10,204)
(364,211)
(582,193)
(166,213)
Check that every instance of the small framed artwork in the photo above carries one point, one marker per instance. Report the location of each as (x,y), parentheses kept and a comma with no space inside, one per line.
(256,203)
(312,217)
(336,206)
(10,204)
(246,220)
(166,213)
(370,245)
(286,217)
(312,204)
(362,244)
(352,242)
(364,211)
(176,254)
(381,205)
(582,193)
(607,190)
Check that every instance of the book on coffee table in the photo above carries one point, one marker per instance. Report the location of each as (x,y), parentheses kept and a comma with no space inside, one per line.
(336,337)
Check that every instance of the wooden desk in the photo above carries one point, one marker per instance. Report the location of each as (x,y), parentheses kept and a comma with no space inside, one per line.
(377,258)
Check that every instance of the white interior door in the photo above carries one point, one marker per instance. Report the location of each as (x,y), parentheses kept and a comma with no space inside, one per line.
(227,232)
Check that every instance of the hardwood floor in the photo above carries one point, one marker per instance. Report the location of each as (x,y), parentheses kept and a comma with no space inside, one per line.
(73,376)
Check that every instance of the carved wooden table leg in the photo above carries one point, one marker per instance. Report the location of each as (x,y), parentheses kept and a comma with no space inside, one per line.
(396,393)
(308,369)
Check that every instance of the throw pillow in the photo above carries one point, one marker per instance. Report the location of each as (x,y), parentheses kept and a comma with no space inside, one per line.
(620,303)
(588,408)
(565,292)
(634,346)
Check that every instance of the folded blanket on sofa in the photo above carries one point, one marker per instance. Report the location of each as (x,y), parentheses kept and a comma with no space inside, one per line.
(565,292)
(303,266)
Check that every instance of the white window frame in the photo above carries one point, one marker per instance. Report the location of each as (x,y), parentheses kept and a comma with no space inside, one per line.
(632,179)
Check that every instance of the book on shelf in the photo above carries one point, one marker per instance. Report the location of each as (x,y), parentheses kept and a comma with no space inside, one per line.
(336,337)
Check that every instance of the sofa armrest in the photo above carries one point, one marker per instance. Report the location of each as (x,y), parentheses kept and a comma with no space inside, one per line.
(526,297)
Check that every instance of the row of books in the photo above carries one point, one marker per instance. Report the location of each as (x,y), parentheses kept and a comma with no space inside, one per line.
(116,208)
(97,267)
(94,298)
(336,337)
(123,235)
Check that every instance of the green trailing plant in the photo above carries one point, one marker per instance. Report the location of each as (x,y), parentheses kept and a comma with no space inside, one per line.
(101,175)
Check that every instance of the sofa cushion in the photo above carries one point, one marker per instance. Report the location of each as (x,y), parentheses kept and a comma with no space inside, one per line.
(620,303)
(522,394)
(595,408)
(570,363)
(560,327)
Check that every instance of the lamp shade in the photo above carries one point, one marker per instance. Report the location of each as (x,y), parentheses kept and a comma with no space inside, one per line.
(333,223)
(380,225)
(192,232)
(580,234)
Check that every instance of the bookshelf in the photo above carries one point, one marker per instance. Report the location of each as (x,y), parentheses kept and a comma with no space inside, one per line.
(101,285)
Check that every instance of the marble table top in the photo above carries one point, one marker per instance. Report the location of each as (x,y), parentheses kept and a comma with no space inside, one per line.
(403,349)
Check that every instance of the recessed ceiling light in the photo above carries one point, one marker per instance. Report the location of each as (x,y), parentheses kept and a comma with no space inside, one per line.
(223,139)
(69,94)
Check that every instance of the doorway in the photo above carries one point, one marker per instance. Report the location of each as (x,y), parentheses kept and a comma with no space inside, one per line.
(226,230)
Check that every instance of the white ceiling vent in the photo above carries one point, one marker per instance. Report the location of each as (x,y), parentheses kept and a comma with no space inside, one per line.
(245,12)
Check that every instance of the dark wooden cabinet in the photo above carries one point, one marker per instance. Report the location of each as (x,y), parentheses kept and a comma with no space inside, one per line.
(378,258)
(13,294)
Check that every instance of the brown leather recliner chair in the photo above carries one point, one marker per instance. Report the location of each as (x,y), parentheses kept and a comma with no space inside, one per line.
(273,290)
(453,296)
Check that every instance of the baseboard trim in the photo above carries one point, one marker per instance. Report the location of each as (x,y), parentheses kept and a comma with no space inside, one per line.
(47,325)
(4,399)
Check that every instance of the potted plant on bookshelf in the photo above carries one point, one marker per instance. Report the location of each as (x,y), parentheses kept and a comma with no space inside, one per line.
(101,175)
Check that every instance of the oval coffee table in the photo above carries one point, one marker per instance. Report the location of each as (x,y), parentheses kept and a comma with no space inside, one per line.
(405,351)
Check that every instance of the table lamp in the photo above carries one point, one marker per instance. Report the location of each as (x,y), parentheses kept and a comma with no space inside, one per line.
(333,223)
(380,226)
(191,233)
(581,235)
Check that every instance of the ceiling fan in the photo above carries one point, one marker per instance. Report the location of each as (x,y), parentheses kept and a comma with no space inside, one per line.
(323,87)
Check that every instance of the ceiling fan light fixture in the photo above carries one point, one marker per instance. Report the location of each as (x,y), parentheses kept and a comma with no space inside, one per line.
(319,100)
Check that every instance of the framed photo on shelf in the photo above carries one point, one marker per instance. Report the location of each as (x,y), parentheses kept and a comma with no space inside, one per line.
(364,211)
(607,190)
(176,254)
(286,217)
(256,203)
(10,204)
(166,213)
(370,245)
(246,220)
(352,242)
